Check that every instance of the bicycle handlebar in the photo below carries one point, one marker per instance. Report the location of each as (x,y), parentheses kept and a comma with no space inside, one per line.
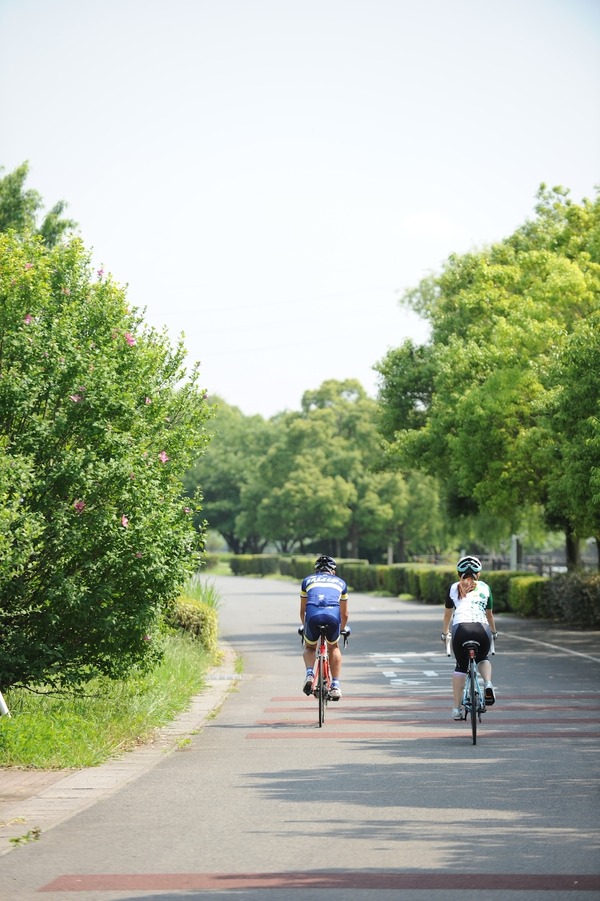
(344,632)
(447,637)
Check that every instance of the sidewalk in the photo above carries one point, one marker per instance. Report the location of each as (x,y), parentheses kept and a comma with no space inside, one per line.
(34,801)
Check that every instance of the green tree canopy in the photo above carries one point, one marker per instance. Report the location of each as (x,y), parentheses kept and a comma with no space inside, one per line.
(225,469)
(312,479)
(474,405)
(20,208)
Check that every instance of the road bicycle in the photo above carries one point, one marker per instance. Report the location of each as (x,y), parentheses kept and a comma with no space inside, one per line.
(473,699)
(321,682)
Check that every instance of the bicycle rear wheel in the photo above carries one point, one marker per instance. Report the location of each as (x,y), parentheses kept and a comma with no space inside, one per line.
(322,692)
(473,699)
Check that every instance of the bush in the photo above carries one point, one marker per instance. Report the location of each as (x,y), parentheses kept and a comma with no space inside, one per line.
(500,581)
(573,598)
(526,594)
(254,564)
(98,424)
(197,619)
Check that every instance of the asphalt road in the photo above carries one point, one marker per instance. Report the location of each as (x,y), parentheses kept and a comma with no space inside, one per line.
(390,799)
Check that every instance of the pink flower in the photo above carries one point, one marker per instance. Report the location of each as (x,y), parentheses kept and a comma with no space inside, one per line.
(100,273)
(138,554)
(129,338)
(28,319)
(163,457)
(79,506)
(28,265)
(147,401)
(75,398)
(124,521)
(186,510)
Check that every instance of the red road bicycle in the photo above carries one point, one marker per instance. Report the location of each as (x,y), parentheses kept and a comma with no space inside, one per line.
(322,678)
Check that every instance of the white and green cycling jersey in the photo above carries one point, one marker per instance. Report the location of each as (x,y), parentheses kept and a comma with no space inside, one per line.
(471,608)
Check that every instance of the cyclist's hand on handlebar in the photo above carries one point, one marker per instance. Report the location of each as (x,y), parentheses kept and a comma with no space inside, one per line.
(300,630)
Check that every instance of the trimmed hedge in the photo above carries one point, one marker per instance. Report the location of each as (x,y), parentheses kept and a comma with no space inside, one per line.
(526,594)
(571,598)
(254,564)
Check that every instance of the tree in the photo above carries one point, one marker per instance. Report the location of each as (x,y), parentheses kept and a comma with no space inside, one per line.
(19,209)
(469,406)
(574,413)
(99,420)
(226,468)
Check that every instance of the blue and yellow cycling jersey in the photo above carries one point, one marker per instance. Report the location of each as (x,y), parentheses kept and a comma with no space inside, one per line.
(324,590)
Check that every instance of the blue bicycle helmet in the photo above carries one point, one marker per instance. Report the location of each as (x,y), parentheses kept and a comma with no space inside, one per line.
(325,564)
(470,565)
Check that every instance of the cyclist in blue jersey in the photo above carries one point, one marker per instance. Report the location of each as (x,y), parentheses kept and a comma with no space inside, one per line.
(323,601)
(469,605)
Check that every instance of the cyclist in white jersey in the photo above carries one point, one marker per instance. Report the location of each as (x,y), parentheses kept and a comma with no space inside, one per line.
(470,607)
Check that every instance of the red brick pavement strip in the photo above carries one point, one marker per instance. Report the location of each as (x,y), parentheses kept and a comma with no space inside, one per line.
(384,881)
(302,732)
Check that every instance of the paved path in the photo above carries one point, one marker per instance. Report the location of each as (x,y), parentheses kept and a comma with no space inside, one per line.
(33,801)
(389,797)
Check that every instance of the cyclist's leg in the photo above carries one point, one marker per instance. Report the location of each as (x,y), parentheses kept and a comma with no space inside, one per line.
(484,664)
(311,635)
(460,633)
(335,655)
(332,634)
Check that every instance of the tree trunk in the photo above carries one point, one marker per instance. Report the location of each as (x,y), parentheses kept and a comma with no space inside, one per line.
(573,549)
(354,541)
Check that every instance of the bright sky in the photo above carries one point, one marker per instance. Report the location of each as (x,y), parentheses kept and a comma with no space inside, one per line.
(267,176)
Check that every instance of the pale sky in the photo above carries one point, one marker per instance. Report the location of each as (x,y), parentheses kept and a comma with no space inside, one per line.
(268,176)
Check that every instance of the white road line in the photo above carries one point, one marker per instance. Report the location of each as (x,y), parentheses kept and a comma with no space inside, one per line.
(555,647)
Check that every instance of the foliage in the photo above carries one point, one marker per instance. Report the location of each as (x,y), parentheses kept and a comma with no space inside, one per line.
(574,599)
(313,480)
(526,594)
(197,619)
(99,421)
(501,404)
(259,565)
(225,470)
(19,209)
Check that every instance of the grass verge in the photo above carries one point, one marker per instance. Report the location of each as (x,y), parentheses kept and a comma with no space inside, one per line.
(51,732)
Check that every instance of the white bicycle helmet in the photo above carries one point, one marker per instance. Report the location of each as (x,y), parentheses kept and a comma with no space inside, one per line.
(469,564)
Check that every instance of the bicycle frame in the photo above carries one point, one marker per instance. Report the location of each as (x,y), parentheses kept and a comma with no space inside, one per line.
(321,682)
(322,678)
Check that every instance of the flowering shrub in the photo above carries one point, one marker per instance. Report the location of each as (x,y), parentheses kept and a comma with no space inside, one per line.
(99,421)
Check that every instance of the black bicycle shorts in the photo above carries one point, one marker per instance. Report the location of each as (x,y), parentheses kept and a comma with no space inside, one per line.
(470,632)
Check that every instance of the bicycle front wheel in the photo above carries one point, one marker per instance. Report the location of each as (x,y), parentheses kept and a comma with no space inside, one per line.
(473,699)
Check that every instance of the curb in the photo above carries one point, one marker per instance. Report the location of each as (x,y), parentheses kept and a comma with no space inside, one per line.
(67,794)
